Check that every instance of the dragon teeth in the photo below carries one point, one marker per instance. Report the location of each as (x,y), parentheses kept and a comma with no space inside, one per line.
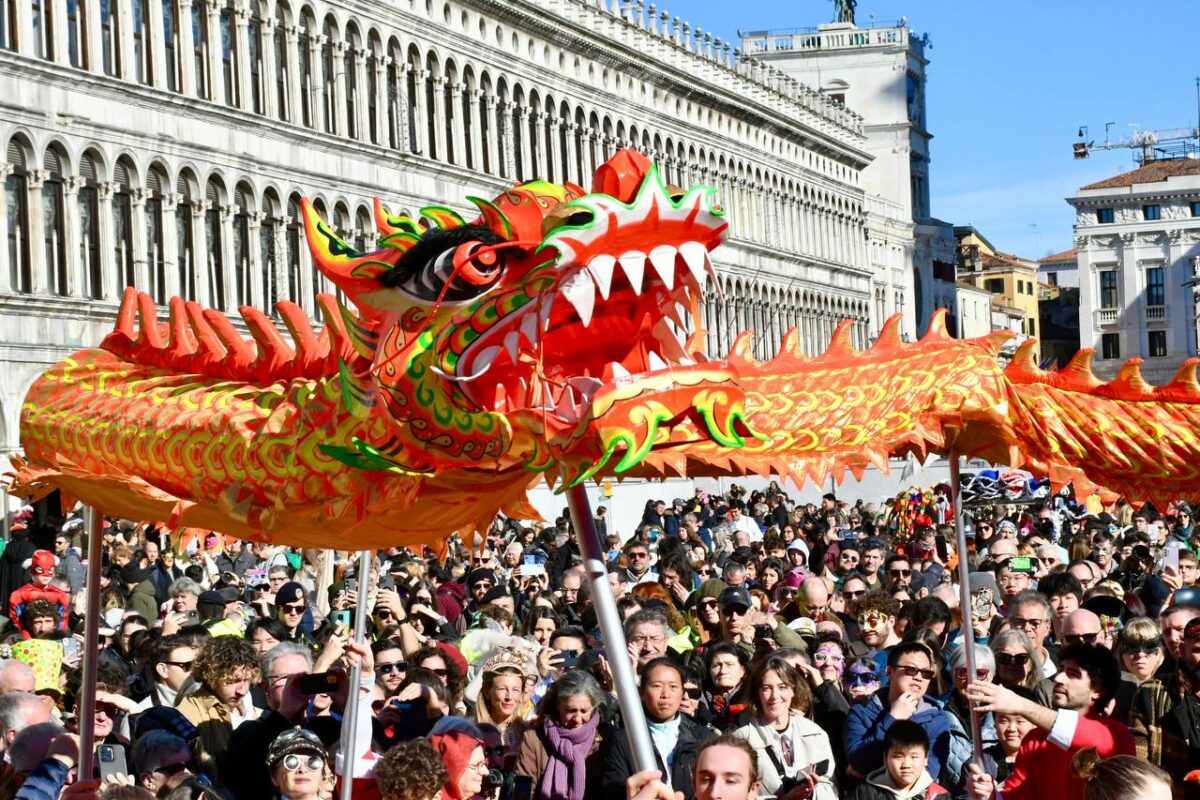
(695,255)
(512,342)
(684,361)
(485,358)
(580,292)
(655,361)
(601,268)
(634,264)
(529,329)
(662,258)
(618,370)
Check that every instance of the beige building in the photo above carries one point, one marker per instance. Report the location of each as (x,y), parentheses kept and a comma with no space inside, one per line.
(1011,280)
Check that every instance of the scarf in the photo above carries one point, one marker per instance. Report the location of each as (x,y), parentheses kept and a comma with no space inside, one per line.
(568,748)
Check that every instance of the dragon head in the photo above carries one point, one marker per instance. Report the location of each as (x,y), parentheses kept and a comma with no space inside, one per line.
(558,328)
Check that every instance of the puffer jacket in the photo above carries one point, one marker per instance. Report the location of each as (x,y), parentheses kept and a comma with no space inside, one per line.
(868,723)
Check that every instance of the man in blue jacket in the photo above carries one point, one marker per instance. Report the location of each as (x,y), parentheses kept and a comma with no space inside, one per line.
(911,668)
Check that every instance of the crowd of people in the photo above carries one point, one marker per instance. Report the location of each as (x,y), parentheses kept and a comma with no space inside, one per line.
(780,649)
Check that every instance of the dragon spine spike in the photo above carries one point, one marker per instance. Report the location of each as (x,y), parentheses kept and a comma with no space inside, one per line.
(742,349)
(1129,383)
(208,343)
(1023,365)
(937,328)
(240,351)
(127,314)
(839,342)
(303,337)
(183,342)
(1077,374)
(790,346)
(889,334)
(149,334)
(1184,386)
(273,351)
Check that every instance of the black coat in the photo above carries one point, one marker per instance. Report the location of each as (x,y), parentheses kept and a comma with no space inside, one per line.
(619,764)
(243,768)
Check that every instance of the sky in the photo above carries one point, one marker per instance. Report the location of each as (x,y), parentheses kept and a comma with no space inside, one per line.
(1008,86)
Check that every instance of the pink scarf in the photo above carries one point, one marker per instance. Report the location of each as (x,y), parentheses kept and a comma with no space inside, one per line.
(565,777)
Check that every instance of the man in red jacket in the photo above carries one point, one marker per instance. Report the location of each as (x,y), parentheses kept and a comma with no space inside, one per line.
(1084,690)
(41,570)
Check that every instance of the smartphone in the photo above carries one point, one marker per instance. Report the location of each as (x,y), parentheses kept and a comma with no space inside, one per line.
(1020,564)
(566,659)
(1171,558)
(352,586)
(72,649)
(529,560)
(522,787)
(386,581)
(110,759)
(762,632)
(343,617)
(318,683)
(191,618)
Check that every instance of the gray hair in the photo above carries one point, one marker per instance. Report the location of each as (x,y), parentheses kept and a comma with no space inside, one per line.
(984,658)
(184,585)
(647,616)
(14,710)
(11,669)
(1008,635)
(31,744)
(572,683)
(284,649)
(1031,597)
(734,568)
(153,743)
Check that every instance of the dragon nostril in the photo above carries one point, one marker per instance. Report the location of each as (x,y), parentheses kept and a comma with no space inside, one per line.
(580,218)
(563,215)
(675,193)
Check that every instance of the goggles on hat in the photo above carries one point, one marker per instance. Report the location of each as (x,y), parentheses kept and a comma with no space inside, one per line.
(1191,631)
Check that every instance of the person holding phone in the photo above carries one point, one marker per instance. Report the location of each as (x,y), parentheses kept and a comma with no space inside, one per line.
(567,743)
(793,752)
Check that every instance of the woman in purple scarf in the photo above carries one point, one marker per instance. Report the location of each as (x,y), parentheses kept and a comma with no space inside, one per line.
(568,740)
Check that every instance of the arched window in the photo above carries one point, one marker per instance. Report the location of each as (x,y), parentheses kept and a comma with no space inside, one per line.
(184,243)
(393,104)
(213,245)
(54,225)
(16,192)
(156,262)
(122,218)
(283,76)
(170,32)
(39,11)
(349,59)
(143,68)
(293,241)
(431,116)
(77,41)
(89,227)
(327,74)
(372,91)
(110,37)
(199,47)
(267,265)
(254,45)
(364,239)
(306,71)
(8,25)
(241,247)
(229,60)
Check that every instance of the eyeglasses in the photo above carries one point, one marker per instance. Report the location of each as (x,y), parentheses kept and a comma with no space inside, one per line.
(849,557)
(861,678)
(915,672)
(1020,622)
(638,555)
(706,604)
(980,674)
(275,680)
(293,761)
(480,766)
(1012,659)
(850,595)
(899,573)
(171,770)
(1146,646)
(822,658)
(441,672)
(481,561)
(1081,638)
(392,666)
(186,666)
(641,640)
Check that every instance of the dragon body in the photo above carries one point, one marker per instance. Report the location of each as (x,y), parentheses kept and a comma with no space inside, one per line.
(556,335)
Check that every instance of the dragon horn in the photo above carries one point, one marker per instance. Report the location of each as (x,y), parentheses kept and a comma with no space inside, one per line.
(351,272)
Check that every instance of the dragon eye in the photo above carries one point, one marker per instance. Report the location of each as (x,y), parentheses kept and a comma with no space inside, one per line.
(461,273)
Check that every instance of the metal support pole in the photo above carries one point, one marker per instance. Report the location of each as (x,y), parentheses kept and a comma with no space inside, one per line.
(350,713)
(964,600)
(91,644)
(625,684)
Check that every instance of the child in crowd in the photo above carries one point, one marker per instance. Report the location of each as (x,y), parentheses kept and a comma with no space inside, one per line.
(903,775)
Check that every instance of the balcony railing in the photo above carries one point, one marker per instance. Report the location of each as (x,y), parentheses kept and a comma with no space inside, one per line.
(1156,313)
(1107,316)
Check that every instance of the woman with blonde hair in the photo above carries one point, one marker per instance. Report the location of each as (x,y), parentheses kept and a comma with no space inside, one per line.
(505,687)
(1119,777)
(1140,648)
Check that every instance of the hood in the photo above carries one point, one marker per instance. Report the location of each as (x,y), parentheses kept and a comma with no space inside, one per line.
(881,780)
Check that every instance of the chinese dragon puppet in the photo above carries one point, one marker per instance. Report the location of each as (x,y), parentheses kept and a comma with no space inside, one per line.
(555,335)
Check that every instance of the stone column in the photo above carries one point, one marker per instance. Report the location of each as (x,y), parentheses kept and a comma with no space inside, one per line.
(24,30)
(555,156)
(571,156)
(184,52)
(170,245)
(538,151)
(382,134)
(588,143)
(294,112)
(419,110)
(458,127)
(439,116)
(71,236)
(241,55)
(108,261)
(39,270)
(94,54)
(5,267)
(257,273)
(476,143)
(305,293)
(316,82)
(200,265)
(155,39)
(526,166)
(216,69)
(358,102)
(493,142)
(229,290)
(269,69)
(283,278)
(60,41)
(137,222)
(338,95)
(124,13)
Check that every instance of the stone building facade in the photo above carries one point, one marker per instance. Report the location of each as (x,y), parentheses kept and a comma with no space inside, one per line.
(166,144)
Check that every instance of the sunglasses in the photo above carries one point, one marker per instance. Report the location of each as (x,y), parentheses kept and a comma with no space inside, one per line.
(707,604)
(693,692)
(1012,659)
(440,672)
(171,770)
(1149,646)
(639,555)
(1083,638)
(186,666)
(293,761)
(849,595)
(296,609)
(478,561)
(915,672)
(900,573)
(389,668)
(1191,631)
(980,674)
(861,678)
